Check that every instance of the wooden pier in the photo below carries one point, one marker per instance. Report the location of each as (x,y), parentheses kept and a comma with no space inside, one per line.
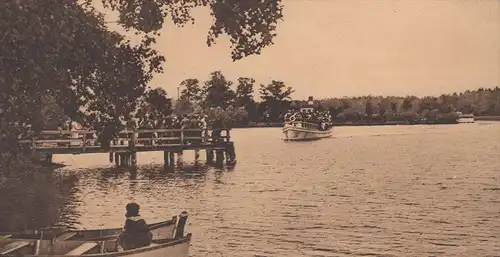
(123,149)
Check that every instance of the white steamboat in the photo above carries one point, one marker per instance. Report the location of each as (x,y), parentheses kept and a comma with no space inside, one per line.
(301,131)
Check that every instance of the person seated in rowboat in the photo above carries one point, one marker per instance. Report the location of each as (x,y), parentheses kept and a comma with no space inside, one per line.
(136,231)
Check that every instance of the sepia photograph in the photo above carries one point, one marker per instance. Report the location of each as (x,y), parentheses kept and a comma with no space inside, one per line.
(250,128)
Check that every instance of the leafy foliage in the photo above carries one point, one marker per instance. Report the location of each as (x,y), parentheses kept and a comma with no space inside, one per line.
(63,49)
(217,91)
(229,117)
(183,106)
(250,24)
(154,105)
(276,98)
(191,90)
(51,112)
(244,97)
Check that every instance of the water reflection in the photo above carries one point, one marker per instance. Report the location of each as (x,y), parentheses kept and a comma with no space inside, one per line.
(37,199)
(379,191)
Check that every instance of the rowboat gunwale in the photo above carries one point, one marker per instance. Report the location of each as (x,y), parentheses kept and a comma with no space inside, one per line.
(160,245)
(56,233)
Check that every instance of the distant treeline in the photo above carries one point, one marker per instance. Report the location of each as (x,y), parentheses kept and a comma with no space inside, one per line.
(480,102)
(237,102)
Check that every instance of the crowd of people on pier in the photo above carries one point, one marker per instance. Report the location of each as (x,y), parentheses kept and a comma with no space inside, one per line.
(320,117)
(186,121)
(198,122)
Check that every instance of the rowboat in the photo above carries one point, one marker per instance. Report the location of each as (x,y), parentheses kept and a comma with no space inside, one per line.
(49,248)
(301,131)
(161,230)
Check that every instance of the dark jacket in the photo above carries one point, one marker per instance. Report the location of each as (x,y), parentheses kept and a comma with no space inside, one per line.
(136,233)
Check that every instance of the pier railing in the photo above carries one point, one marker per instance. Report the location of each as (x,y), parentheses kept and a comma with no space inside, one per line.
(82,141)
(301,124)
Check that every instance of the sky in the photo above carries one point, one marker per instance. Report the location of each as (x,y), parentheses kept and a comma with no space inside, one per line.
(336,48)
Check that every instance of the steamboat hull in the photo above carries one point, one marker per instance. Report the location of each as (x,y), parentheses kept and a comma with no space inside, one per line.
(301,134)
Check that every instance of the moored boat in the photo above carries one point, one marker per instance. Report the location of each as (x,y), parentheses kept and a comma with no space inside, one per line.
(465,118)
(168,229)
(178,247)
(300,131)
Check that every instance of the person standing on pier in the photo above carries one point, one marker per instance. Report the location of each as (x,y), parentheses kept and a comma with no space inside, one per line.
(136,231)
(203,126)
(185,122)
(216,129)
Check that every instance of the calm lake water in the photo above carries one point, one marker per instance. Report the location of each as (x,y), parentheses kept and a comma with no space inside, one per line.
(368,191)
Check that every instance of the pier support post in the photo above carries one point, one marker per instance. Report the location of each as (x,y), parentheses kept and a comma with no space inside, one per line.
(166,156)
(196,155)
(111,157)
(230,154)
(133,154)
(180,159)
(117,159)
(133,159)
(122,159)
(125,159)
(129,159)
(47,158)
(172,159)
(219,157)
(210,156)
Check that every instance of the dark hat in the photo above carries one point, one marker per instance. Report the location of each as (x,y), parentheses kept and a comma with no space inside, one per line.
(132,210)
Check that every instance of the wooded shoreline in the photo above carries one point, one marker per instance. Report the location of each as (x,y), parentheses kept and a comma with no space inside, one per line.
(364,123)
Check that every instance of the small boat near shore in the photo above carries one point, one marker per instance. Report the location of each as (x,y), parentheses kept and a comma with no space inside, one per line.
(465,118)
(302,131)
(163,230)
(178,247)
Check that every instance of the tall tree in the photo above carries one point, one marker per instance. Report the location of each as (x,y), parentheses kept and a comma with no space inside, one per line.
(244,97)
(394,108)
(369,109)
(183,106)
(276,98)
(217,91)
(64,49)
(155,105)
(407,104)
(191,90)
